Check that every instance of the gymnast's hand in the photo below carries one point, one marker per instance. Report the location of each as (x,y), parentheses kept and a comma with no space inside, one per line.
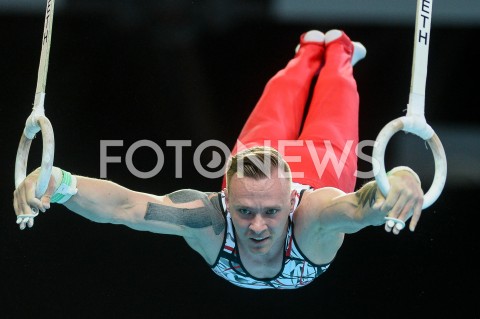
(25,204)
(404,200)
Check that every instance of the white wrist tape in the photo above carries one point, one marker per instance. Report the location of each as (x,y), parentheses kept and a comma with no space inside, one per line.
(404,168)
(67,187)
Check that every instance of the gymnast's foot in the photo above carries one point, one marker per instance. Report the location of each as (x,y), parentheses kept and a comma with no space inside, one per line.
(359,51)
(312,36)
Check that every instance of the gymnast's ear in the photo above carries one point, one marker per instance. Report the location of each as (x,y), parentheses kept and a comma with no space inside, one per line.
(225,192)
(293,196)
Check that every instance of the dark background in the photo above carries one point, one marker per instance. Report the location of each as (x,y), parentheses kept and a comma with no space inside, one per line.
(184,73)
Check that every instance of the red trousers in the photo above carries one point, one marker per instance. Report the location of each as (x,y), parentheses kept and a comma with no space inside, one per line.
(320,146)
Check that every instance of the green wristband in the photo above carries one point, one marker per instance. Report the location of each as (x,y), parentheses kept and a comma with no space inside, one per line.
(65,190)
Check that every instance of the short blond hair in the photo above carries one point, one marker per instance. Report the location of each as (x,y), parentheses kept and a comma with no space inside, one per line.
(257,163)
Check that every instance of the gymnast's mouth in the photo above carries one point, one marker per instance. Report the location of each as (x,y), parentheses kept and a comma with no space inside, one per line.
(259,239)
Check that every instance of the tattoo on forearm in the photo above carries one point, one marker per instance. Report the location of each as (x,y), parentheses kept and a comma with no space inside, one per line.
(366,195)
(207,215)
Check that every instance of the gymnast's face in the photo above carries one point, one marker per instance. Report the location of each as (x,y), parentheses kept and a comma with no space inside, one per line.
(259,210)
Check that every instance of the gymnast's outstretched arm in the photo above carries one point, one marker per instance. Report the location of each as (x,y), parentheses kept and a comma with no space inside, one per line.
(339,212)
(185,213)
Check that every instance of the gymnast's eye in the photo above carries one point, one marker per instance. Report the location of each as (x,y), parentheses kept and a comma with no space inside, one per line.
(272,211)
(244,211)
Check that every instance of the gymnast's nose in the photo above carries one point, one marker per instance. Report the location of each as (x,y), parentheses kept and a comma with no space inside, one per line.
(257,224)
